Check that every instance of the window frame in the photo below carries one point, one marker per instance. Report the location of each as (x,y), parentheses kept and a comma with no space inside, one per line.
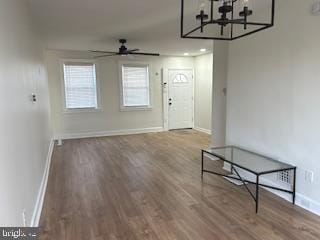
(62,62)
(135,64)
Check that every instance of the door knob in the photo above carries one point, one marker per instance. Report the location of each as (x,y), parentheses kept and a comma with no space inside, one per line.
(170,103)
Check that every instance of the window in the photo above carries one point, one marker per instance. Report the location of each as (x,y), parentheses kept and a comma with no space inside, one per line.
(80,85)
(180,78)
(135,86)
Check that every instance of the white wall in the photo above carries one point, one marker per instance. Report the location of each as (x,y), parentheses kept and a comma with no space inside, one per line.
(220,64)
(24,126)
(273,93)
(203,92)
(110,118)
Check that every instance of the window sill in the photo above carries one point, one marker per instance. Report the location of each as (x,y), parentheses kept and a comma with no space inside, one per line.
(82,110)
(128,109)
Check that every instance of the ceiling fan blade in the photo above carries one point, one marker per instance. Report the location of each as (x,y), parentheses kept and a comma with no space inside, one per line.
(102,52)
(107,55)
(146,54)
(133,50)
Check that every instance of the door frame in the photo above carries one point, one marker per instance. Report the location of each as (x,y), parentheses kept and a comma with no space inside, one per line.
(165,94)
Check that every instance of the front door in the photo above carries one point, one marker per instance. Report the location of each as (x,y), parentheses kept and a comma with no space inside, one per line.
(180,99)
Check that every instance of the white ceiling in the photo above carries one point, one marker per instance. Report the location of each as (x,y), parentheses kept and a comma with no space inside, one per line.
(151,25)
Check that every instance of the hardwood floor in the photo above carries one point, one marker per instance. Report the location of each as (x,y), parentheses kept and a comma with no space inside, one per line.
(148,186)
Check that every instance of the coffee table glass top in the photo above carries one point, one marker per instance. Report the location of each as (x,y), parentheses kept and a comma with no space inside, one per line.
(248,160)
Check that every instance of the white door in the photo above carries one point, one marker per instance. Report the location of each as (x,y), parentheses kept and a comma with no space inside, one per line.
(180,99)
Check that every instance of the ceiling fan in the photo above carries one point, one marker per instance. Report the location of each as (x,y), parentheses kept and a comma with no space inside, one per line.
(123,51)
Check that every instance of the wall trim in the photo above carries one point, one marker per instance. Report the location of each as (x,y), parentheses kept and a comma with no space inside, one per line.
(301,200)
(207,131)
(42,190)
(108,133)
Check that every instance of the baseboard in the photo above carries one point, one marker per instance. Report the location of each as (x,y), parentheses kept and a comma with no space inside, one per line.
(301,200)
(308,204)
(41,194)
(207,131)
(108,133)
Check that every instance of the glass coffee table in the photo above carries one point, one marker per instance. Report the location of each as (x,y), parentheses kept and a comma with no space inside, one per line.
(251,162)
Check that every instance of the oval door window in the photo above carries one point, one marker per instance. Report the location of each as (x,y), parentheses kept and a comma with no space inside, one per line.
(180,78)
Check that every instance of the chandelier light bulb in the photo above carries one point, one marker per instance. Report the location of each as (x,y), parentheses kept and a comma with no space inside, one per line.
(202,5)
(247,3)
(226,2)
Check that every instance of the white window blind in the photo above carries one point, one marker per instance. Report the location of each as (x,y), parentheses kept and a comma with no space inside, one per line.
(80,85)
(135,86)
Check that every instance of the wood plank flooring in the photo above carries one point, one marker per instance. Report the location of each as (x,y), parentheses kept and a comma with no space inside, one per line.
(148,186)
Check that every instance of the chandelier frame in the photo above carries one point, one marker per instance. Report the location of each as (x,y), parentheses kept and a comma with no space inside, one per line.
(208,19)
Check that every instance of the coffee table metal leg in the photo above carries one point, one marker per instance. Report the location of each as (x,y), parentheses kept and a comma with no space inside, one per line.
(294,187)
(257,194)
(201,164)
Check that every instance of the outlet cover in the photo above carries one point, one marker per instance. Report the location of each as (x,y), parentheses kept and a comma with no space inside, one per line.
(309,176)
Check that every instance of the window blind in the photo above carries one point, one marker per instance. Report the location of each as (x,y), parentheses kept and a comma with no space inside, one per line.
(135,86)
(80,85)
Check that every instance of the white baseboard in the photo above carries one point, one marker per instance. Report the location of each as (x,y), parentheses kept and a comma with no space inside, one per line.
(42,191)
(308,203)
(108,133)
(301,200)
(207,131)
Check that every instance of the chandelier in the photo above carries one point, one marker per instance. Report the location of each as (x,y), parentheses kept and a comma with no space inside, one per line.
(225,19)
